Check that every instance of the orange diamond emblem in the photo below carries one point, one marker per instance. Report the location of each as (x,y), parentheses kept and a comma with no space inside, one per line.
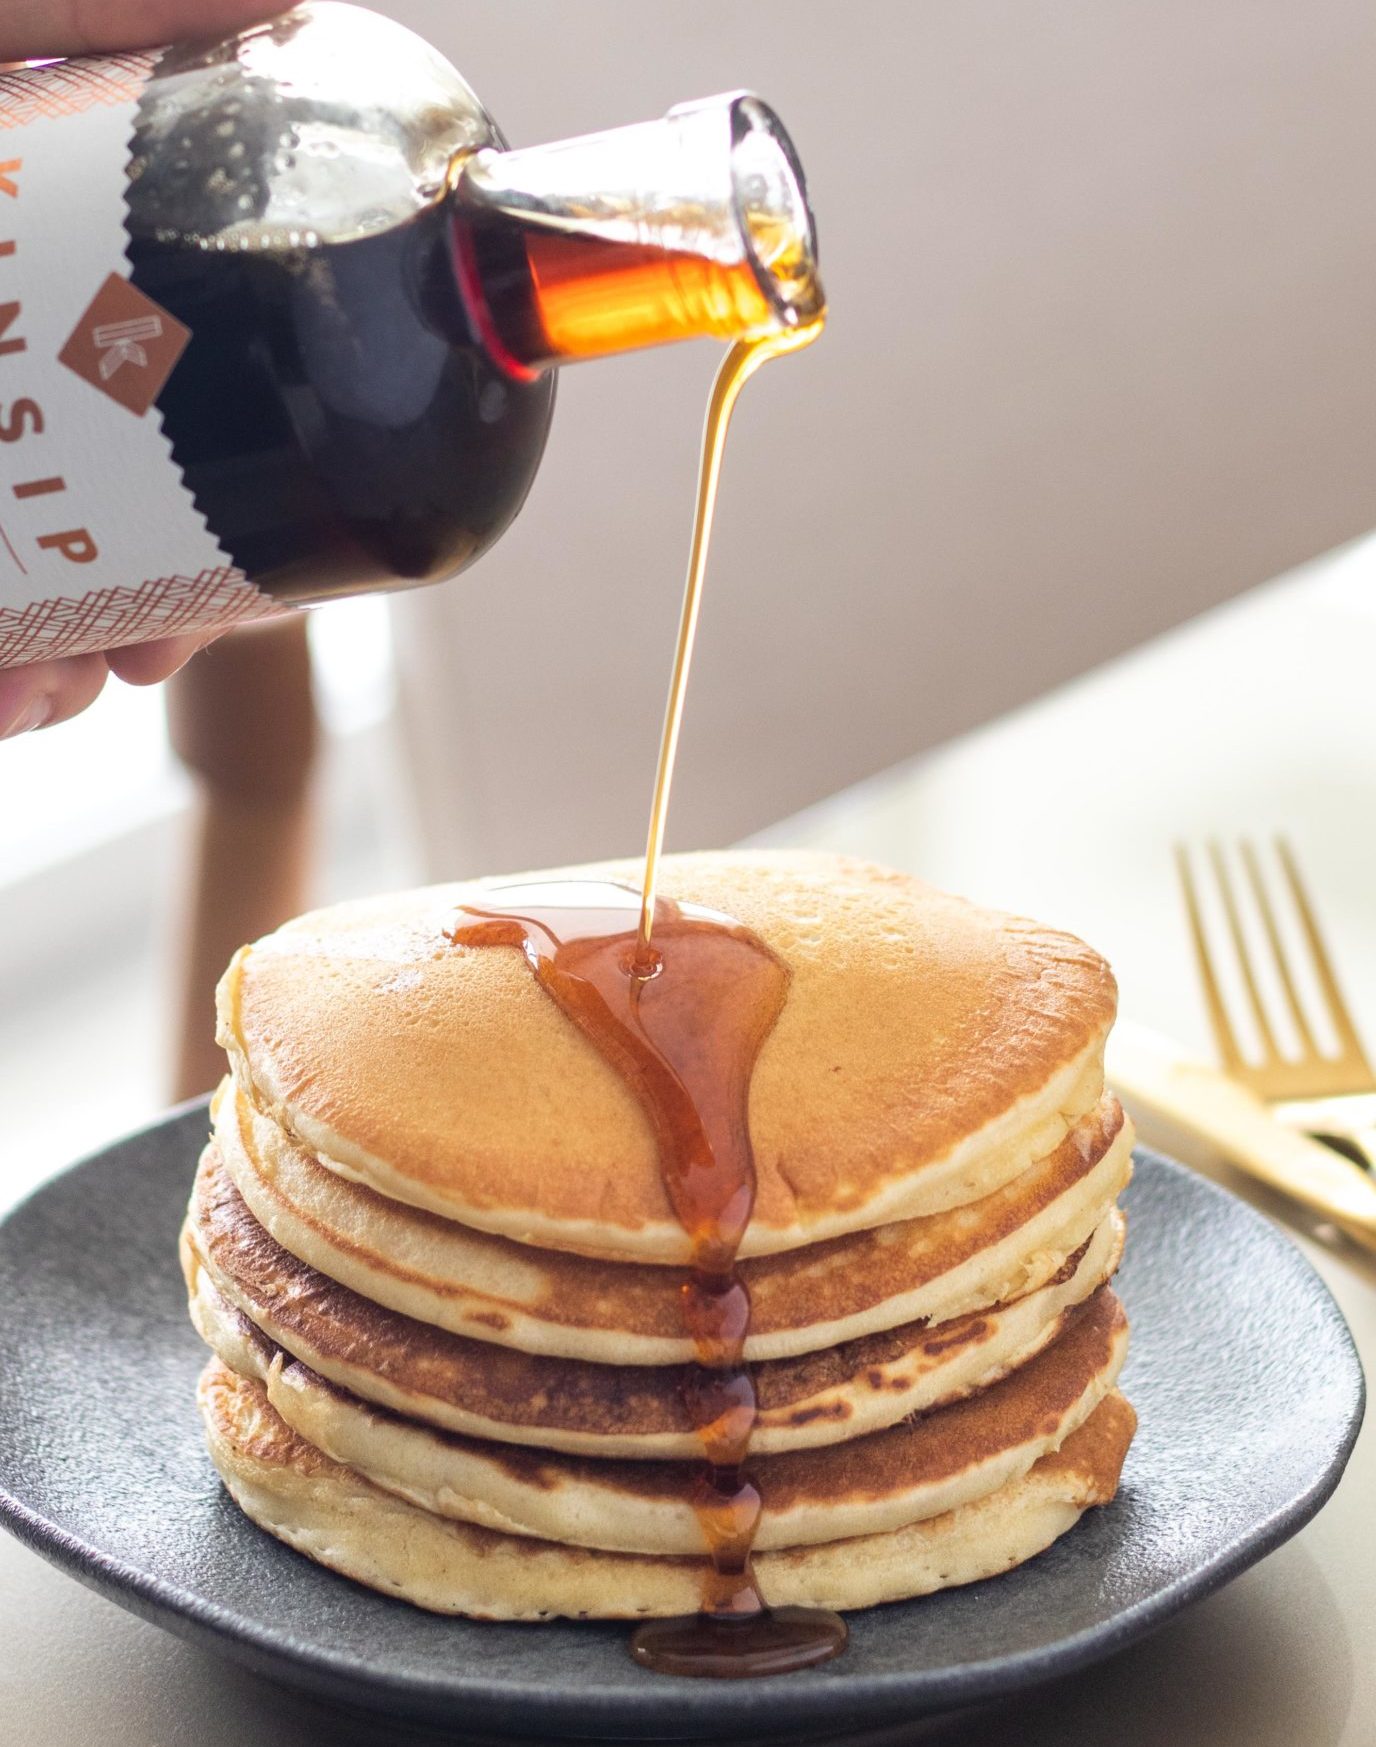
(125,345)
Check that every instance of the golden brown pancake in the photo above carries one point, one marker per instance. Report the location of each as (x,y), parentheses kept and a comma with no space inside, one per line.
(544,1301)
(927,1052)
(335,1516)
(495,1392)
(432,1249)
(919,1468)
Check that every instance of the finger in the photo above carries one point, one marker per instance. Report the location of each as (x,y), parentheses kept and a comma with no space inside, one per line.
(47,692)
(148,663)
(33,28)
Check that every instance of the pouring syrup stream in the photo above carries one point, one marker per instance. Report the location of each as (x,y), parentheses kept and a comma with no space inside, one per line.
(679,1000)
(739,365)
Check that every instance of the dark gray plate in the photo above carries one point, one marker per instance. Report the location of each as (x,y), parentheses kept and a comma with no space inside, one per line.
(1242,1369)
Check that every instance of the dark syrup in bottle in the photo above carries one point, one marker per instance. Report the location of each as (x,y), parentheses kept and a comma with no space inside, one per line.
(336,415)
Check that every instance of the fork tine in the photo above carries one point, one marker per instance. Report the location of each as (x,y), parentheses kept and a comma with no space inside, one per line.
(1338,1013)
(1224,1035)
(1278,952)
(1244,957)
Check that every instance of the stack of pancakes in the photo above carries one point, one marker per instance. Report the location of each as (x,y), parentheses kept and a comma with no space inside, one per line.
(431,1252)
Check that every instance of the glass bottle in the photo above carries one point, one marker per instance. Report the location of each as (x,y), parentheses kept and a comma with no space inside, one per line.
(308,310)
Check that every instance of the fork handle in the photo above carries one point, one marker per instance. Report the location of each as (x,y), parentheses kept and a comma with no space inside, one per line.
(1156,1077)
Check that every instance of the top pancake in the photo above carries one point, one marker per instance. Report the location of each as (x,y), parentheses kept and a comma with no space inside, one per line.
(927,1052)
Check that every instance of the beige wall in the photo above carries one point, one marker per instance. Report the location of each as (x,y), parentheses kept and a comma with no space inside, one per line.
(1103,283)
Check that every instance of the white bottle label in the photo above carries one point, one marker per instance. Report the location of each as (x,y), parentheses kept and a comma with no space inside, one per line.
(100,541)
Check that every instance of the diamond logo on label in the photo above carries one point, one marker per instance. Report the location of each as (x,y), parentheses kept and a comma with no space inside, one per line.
(125,345)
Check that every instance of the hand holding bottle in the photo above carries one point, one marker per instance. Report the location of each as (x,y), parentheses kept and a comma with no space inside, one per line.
(52,691)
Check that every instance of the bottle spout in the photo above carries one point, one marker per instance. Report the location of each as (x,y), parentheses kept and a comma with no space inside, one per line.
(695,224)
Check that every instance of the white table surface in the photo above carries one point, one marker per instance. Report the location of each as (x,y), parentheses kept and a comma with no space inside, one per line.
(1259,717)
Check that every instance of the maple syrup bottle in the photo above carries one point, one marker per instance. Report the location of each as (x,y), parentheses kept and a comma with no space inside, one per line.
(279,315)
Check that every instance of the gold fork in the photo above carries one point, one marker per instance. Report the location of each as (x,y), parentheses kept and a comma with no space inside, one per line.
(1331,1097)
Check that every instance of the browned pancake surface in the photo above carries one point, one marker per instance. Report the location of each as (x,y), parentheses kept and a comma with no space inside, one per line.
(315,1318)
(1091,1457)
(1033,1403)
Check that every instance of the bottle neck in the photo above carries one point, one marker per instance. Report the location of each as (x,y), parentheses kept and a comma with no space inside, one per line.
(691,226)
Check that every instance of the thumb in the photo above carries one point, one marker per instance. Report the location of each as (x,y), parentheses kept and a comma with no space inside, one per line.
(34,29)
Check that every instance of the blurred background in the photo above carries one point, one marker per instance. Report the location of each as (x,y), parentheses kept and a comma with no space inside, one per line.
(1100,357)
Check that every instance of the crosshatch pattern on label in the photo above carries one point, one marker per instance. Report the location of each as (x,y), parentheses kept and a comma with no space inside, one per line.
(106,618)
(69,87)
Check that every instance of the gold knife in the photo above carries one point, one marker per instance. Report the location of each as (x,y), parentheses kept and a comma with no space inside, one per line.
(1155,1076)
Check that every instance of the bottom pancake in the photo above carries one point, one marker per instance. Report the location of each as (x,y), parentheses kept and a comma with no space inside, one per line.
(341,1520)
